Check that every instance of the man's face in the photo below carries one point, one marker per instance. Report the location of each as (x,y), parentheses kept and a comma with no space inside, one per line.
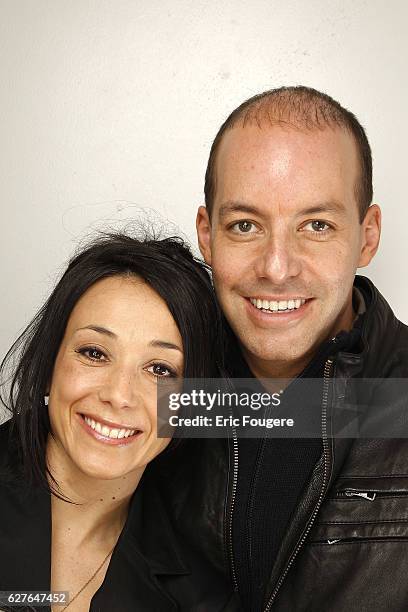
(284,239)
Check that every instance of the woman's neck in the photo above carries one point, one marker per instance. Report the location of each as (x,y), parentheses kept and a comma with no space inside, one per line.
(98,508)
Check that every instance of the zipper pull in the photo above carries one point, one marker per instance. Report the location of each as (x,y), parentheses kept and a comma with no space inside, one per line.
(369,496)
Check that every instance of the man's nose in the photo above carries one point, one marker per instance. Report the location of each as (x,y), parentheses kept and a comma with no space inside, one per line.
(278,259)
(120,387)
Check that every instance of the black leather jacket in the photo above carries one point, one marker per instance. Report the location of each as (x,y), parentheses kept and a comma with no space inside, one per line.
(346,547)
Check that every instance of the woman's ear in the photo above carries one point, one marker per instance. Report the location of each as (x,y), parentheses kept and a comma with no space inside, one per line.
(47,394)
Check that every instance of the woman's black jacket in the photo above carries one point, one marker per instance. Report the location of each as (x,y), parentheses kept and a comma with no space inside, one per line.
(152,568)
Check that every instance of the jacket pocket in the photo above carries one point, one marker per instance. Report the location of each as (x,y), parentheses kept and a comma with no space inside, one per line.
(363,509)
(355,558)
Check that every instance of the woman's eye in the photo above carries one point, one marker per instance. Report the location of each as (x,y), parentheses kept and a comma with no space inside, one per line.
(317,226)
(161,370)
(243,227)
(92,353)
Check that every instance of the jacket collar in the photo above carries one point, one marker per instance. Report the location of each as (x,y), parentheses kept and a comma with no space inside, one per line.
(378,336)
(150,530)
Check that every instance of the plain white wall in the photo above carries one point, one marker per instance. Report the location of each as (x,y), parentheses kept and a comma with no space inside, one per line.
(110,105)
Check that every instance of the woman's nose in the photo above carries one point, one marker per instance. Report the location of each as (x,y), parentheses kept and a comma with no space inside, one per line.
(120,388)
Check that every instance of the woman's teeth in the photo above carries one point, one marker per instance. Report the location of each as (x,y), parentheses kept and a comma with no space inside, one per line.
(277,306)
(107,431)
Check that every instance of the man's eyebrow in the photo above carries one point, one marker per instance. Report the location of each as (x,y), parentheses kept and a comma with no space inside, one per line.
(164,344)
(100,330)
(232,206)
(324,207)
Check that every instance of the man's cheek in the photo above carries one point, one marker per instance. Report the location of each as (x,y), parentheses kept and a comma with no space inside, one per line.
(225,274)
(231,266)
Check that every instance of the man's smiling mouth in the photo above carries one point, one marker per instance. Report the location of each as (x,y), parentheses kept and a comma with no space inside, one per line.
(277,305)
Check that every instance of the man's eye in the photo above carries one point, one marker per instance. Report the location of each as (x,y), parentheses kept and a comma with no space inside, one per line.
(92,353)
(243,227)
(317,226)
(160,370)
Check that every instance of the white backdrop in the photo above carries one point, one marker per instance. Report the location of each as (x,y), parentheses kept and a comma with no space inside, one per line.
(109,105)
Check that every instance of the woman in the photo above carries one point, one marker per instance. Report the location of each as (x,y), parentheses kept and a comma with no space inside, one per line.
(75,513)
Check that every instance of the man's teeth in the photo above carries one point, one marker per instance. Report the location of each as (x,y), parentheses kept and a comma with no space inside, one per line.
(108,432)
(275,306)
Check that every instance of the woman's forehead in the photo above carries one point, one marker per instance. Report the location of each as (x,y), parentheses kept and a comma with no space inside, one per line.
(125,306)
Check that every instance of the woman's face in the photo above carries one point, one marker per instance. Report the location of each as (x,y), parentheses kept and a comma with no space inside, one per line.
(120,338)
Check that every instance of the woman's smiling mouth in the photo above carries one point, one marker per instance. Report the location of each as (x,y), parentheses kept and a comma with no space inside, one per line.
(112,434)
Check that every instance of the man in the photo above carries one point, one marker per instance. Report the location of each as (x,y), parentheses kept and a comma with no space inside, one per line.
(304,524)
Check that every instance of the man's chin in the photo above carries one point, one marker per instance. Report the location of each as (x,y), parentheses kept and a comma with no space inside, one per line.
(291,353)
(276,356)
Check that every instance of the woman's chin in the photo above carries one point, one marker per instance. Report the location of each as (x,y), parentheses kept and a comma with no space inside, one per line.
(100,472)
(73,458)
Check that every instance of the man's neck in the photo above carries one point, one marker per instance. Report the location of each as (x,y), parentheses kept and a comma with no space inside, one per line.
(262,368)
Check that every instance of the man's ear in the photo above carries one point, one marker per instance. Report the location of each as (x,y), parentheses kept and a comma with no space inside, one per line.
(203,225)
(371,232)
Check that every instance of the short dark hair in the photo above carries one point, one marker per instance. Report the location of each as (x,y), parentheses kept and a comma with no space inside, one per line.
(298,107)
(170,269)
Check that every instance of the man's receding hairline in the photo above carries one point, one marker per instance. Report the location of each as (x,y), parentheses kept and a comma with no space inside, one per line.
(298,105)
(241,123)
(258,113)
(264,119)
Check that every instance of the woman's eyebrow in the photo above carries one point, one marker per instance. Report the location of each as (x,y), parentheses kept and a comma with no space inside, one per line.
(164,344)
(100,330)
(156,343)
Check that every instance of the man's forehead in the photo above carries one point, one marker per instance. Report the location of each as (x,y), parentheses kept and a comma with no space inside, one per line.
(283,139)
(317,170)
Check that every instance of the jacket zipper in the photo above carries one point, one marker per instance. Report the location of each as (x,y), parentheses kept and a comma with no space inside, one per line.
(326,376)
(370,495)
(233,495)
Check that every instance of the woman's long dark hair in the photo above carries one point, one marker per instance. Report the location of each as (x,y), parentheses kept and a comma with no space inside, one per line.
(171,270)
